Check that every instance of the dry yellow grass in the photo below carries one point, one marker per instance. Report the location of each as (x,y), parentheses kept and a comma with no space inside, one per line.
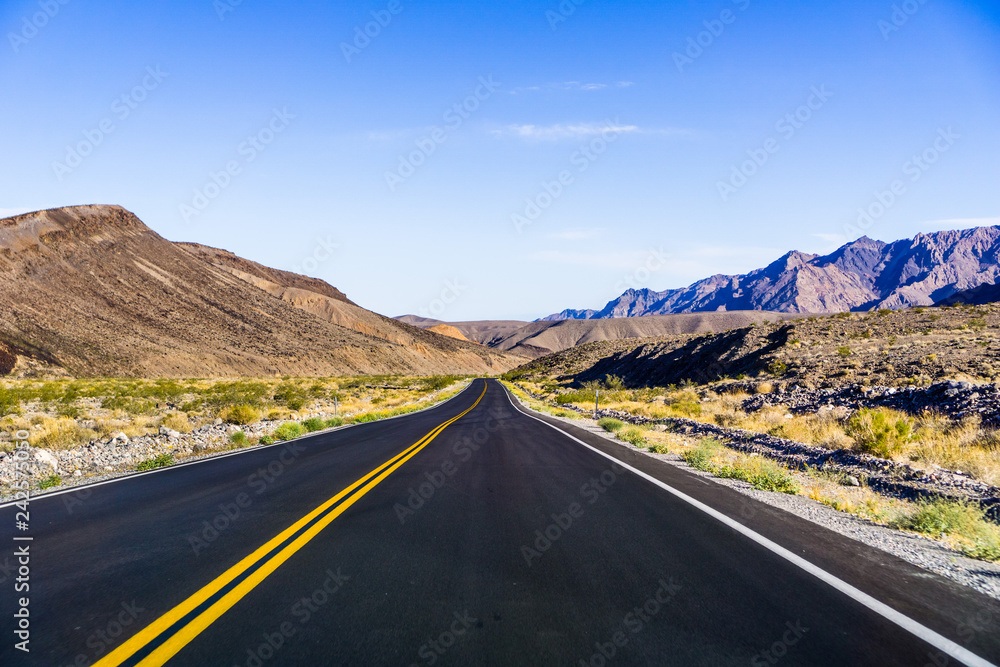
(966,445)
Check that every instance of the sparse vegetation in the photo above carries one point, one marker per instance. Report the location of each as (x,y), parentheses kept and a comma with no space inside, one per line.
(288,431)
(965,525)
(880,432)
(161,461)
(610,424)
(239,439)
(49,482)
(240,415)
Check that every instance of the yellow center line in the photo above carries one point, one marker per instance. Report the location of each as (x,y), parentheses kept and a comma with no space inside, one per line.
(181,638)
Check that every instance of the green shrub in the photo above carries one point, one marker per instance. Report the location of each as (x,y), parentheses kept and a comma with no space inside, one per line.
(979,537)
(610,424)
(161,461)
(288,431)
(240,415)
(700,458)
(266,440)
(658,449)
(239,438)
(313,424)
(777,368)
(760,473)
(50,481)
(10,404)
(844,351)
(686,403)
(633,436)
(879,432)
(334,422)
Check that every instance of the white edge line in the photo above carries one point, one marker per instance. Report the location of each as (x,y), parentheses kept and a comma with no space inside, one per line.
(930,636)
(216,457)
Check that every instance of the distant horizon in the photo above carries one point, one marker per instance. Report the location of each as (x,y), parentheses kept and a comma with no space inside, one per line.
(7,213)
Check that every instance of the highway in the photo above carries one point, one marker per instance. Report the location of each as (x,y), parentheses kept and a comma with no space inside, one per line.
(472,533)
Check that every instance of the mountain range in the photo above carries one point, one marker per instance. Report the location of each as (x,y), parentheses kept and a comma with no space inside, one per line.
(92,291)
(859,276)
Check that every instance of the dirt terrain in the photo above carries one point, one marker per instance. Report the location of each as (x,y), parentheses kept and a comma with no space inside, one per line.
(92,291)
(537,339)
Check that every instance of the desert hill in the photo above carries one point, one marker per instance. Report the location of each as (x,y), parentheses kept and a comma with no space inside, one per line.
(536,339)
(92,290)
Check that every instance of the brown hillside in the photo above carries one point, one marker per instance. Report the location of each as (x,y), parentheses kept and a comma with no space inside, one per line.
(93,290)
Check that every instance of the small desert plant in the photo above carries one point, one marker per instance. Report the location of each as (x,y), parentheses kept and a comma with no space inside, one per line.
(239,438)
(610,424)
(760,473)
(777,368)
(700,457)
(288,431)
(633,436)
(975,534)
(844,351)
(161,461)
(266,440)
(334,422)
(879,431)
(240,415)
(313,424)
(50,481)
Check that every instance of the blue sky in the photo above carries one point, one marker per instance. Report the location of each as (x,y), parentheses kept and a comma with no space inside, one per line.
(594,146)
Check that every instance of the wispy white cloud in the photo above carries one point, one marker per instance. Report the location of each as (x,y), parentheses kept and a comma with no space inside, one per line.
(570,86)
(576,234)
(564,131)
(561,131)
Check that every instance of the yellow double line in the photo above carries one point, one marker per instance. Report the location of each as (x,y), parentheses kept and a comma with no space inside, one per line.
(164,637)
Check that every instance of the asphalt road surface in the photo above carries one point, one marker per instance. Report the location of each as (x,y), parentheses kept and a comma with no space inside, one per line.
(472,533)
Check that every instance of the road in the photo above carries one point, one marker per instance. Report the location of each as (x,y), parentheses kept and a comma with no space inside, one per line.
(467,534)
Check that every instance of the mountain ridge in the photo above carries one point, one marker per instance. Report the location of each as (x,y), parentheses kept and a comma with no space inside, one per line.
(859,276)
